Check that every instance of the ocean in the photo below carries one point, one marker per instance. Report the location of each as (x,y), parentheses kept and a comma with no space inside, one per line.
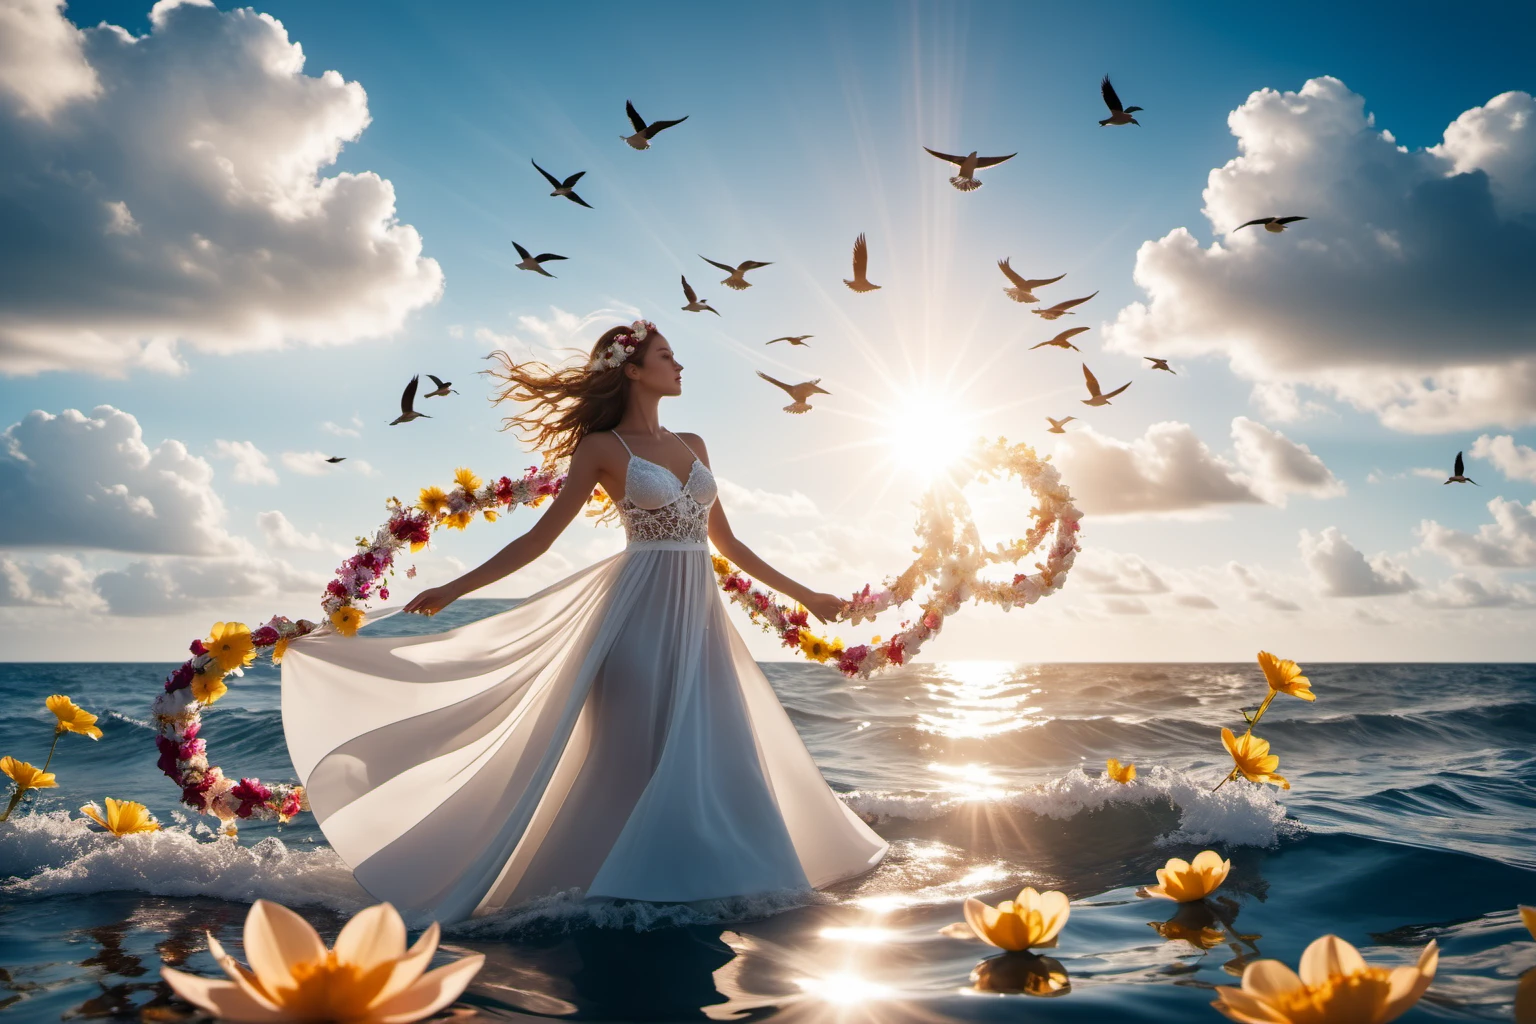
(1412,815)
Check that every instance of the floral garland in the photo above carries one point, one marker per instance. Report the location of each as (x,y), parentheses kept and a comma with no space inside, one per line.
(951,556)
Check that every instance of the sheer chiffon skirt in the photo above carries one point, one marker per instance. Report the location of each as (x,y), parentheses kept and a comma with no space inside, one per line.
(610,734)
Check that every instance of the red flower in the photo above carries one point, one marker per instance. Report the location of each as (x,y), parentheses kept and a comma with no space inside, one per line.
(895,651)
(190,748)
(251,794)
(167,762)
(383,593)
(849,661)
(180,678)
(762,601)
(504,490)
(266,636)
(291,805)
(933,618)
(336,588)
(792,637)
(741,583)
(410,529)
(198,648)
(798,617)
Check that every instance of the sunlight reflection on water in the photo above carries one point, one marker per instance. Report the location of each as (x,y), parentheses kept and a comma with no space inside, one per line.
(977,699)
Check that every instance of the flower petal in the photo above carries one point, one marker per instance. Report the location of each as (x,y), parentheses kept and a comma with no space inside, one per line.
(976,916)
(1528,915)
(223,999)
(433,991)
(408,968)
(373,936)
(1242,1007)
(1327,957)
(277,940)
(1269,980)
(1409,983)
(240,974)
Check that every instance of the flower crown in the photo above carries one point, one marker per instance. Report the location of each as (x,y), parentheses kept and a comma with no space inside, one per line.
(622,347)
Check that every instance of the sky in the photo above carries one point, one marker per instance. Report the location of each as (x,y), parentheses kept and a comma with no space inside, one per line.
(233,234)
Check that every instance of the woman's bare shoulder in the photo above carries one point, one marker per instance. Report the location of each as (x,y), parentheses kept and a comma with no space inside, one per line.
(695,442)
(600,446)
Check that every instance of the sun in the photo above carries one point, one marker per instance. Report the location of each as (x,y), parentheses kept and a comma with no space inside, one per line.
(926,432)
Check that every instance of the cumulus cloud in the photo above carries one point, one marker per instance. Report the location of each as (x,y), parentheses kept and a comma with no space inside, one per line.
(1259,590)
(56,581)
(1353,301)
(281,535)
(174,183)
(353,429)
(163,586)
(251,465)
(1515,461)
(754,499)
(1110,572)
(1464,592)
(91,482)
(1509,542)
(1339,570)
(1278,466)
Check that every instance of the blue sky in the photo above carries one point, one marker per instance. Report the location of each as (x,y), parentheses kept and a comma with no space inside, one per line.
(805,127)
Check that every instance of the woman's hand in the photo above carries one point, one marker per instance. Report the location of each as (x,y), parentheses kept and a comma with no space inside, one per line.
(432,601)
(826,607)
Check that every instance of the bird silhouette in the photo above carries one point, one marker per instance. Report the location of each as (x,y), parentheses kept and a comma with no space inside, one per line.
(644,133)
(860,282)
(736,280)
(1023,289)
(1274,225)
(1060,341)
(1057,425)
(336,458)
(965,181)
(1096,397)
(1460,474)
(564,188)
(696,304)
(1160,364)
(534,263)
(794,339)
(799,392)
(443,389)
(1061,308)
(406,401)
(1118,114)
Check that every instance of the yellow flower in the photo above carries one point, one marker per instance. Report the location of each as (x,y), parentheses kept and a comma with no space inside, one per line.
(1185,881)
(490,515)
(347,620)
(1253,759)
(124,817)
(26,776)
(722,566)
(1528,915)
(1031,921)
(465,479)
(208,685)
(368,977)
(814,647)
(459,520)
(72,718)
(417,545)
(230,645)
(1335,986)
(1122,773)
(279,649)
(1285,677)
(432,500)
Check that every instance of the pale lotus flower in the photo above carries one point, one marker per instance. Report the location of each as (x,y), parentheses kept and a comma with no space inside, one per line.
(123,817)
(367,978)
(1184,881)
(1032,920)
(1335,986)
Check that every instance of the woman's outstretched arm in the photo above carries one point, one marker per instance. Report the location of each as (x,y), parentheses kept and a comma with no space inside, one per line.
(580,479)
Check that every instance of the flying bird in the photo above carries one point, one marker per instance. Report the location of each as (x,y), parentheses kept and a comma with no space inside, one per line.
(860,282)
(969,165)
(1160,364)
(1096,397)
(406,401)
(336,458)
(644,133)
(1057,425)
(533,262)
(564,188)
(799,392)
(794,339)
(1118,114)
(1460,475)
(1062,308)
(696,304)
(1274,225)
(1061,340)
(737,280)
(1023,290)
(442,390)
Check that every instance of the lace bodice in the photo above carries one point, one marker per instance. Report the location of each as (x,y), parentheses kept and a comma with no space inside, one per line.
(656,506)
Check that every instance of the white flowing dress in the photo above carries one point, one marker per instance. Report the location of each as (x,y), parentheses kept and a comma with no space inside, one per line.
(610,734)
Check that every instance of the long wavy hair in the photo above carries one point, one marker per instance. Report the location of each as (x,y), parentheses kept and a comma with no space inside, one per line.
(565,403)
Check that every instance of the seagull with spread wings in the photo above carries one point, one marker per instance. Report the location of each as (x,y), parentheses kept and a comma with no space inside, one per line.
(535,263)
(1063,308)
(1274,225)
(1057,425)
(801,393)
(695,304)
(442,389)
(1095,396)
(1062,340)
(336,458)
(407,400)
(860,282)
(1118,113)
(563,188)
(737,278)
(793,339)
(644,133)
(1460,475)
(1023,289)
(1160,364)
(965,180)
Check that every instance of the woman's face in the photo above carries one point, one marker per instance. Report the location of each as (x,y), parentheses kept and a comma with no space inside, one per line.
(658,369)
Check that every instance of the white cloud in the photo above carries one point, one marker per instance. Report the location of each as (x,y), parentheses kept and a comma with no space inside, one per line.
(1199,601)
(1515,461)
(1109,572)
(1126,606)
(1353,301)
(251,464)
(91,482)
(1339,570)
(175,185)
(737,498)
(1462,592)
(1509,542)
(1258,590)
(282,535)
(355,429)
(56,581)
(164,586)
(307,463)
(1278,466)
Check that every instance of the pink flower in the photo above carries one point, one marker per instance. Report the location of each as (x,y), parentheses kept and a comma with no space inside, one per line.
(851,658)
(291,805)
(251,793)
(737,583)
(336,589)
(180,678)
(933,619)
(383,593)
(191,748)
(410,573)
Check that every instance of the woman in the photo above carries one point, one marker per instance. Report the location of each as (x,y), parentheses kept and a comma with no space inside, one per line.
(610,734)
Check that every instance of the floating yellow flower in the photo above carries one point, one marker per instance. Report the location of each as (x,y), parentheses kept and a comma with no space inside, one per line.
(1335,986)
(229,643)
(466,479)
(1285,677)
(26,776)
(347,620)
(1121,773)
(432,500)
(72,718)
(1253,759)
(1528,916)
(208,685)
(1184,881)
(368,977)
(459,520)
(124,817)
(1032,920)
(814,647)
(278,650)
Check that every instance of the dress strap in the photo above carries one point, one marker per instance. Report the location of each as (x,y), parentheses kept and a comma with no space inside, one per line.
(686,445)
(623,442)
